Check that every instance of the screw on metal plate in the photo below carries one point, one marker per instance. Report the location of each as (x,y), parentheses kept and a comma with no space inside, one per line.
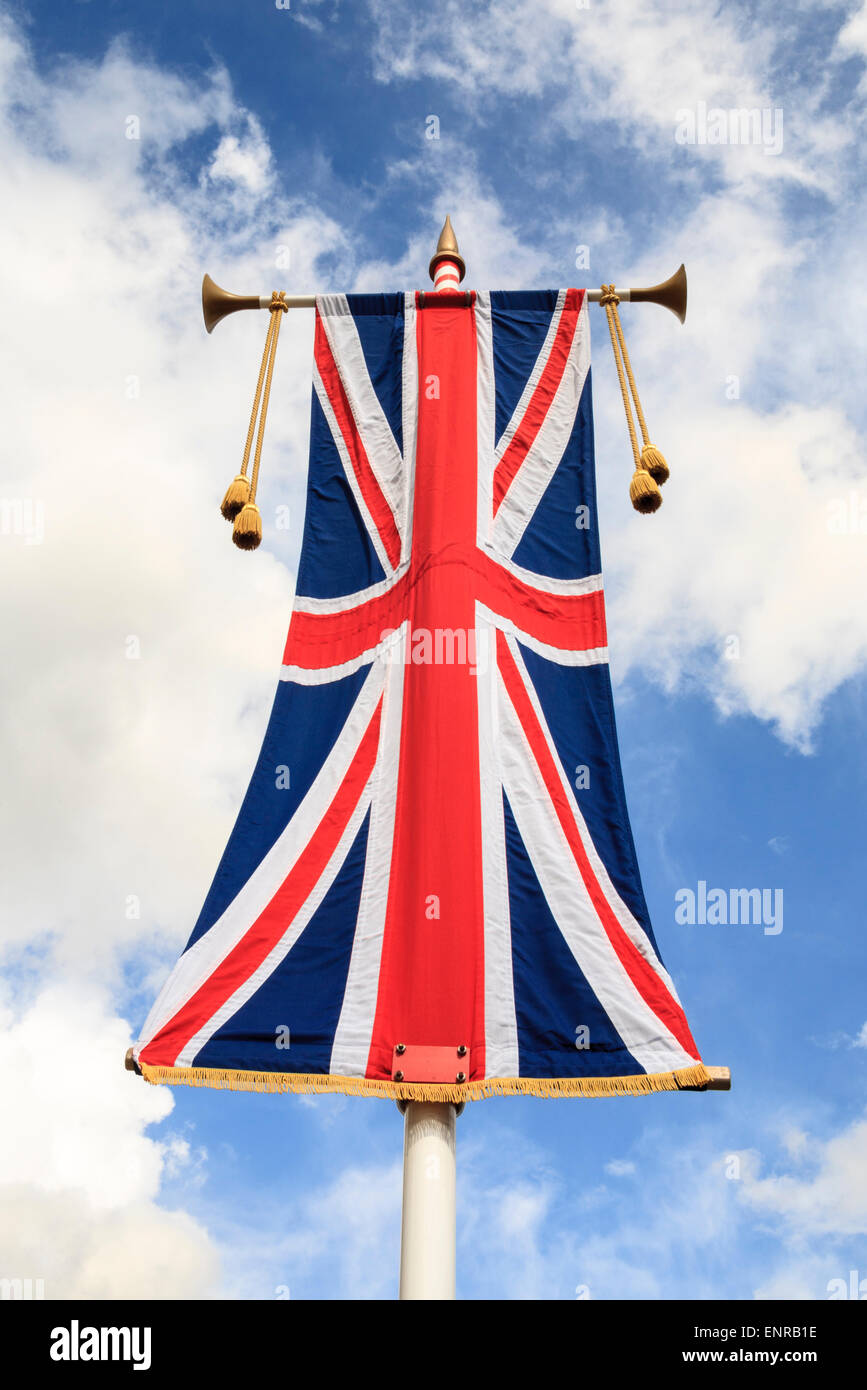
(461,1076)
(400,1049)
(462,1050)
(398,1076)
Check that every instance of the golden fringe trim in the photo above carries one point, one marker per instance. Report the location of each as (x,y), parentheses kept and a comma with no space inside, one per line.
(687,1078)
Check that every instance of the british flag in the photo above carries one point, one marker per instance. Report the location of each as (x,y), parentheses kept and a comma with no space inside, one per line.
(434,858)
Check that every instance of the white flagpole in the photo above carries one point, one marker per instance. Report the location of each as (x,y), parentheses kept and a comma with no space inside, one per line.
(429,1223)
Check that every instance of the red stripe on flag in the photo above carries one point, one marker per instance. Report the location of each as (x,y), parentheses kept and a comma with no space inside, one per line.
(569,622)
(317,641)
(540,401)
(645,979)
(272,924)
(374,498)
(432,983)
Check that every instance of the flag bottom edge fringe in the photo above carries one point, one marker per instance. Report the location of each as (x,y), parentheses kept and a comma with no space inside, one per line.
(685,1078)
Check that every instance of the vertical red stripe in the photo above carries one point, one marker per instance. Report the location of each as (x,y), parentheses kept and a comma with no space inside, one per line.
(431,988)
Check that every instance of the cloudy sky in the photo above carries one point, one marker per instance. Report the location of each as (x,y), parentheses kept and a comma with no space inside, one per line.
(288,147)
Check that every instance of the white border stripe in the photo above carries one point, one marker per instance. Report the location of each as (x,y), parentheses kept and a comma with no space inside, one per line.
(501,1026)
(410,414)
(485,417)
(304,604)
(563,588)
(324,675)
(591,656)
(351,1049)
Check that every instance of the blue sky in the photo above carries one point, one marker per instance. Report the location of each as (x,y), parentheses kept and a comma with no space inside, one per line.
(305,129)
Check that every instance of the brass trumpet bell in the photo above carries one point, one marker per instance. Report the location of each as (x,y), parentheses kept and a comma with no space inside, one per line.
(217,303)
(671,294)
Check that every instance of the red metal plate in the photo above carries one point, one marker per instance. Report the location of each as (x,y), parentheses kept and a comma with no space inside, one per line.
(414,1062)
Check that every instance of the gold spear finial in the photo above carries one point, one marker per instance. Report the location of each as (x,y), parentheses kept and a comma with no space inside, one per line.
(447,250)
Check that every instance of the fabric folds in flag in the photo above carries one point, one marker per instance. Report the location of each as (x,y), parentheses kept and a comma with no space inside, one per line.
(434,855)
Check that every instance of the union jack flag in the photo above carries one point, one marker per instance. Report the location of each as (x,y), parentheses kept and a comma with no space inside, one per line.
(434,858)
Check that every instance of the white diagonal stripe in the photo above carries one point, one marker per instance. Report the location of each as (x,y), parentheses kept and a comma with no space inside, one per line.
(281,948)
(643,1033)
(544,454)
(345,458)
(376,434)
(198,963)
(533,379)
(630,925)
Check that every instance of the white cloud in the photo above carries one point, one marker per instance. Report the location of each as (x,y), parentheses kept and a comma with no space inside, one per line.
(629,64)
(244,160)
(814,1203)
(128,425)
(343,1236)
(684,1222)
(620,1167)
(826,1194)
(139,1252)
(761,536)
(79,1177)
(852,38)
(121,780)
(124,425)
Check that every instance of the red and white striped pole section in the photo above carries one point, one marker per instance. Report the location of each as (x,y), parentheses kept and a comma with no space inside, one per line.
(447,267)
(447,275)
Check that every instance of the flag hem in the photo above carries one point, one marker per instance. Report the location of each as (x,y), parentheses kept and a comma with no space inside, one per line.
(685,1078)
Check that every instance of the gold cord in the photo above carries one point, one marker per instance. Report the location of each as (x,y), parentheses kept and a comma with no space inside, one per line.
(277,308)
(634,389)
(254,413)
(610,300)
(239,503)
(650,467)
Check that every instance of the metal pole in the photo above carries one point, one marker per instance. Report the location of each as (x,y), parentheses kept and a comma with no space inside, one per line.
(428,1228)
(308,301)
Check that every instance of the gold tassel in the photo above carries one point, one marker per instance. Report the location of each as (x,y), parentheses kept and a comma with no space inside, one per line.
(644,493)
(247,531)
(655,464)
(651,468)
(237,493)
(239,503)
